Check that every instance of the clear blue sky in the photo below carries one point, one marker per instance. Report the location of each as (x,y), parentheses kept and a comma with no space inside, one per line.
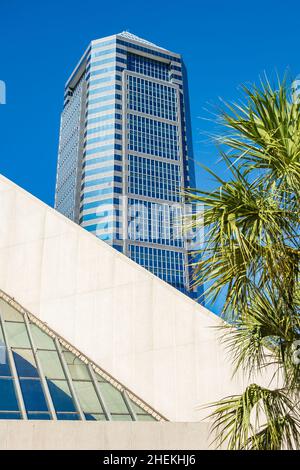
(224,43)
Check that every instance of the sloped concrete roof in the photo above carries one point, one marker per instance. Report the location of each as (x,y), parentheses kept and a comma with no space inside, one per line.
(149,336)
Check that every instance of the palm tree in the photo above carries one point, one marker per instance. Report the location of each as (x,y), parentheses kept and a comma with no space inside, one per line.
(251,253)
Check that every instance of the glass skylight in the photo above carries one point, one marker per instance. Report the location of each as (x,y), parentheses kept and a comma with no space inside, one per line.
(42,377)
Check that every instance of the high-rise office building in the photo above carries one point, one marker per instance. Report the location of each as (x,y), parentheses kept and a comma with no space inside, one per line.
(125,152)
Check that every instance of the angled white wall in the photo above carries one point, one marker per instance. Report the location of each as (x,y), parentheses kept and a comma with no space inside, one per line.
(155,340)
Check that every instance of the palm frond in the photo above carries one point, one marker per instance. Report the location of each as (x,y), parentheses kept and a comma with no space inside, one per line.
(251,253)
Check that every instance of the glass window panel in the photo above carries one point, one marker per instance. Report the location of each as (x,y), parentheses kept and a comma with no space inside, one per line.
(121,417)
(10,415)
(137,409)
(77,368)
(41,339)
(68,416)
(4,364)
(112,398)
(40,416)
(87,396)
(51,364)
(4,361)
(94,417)
(17,335)
(61,395)
(9,313)
(25,363)
(33,395)
(100,378)
(8,399)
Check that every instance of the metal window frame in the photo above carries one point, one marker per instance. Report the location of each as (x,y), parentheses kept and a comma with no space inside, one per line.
(40,371)
(16,382)
(61,342)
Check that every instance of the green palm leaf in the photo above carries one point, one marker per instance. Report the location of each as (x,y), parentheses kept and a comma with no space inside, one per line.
(251,252)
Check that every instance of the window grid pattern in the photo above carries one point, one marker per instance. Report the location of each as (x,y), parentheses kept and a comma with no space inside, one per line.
(158,223)
(68,154)
(150,67)
(167,265)
(40,378)
(154,178)
(147,50)
(152,137)
(152,98)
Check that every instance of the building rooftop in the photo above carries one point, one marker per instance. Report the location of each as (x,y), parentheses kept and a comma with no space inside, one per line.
(128,35)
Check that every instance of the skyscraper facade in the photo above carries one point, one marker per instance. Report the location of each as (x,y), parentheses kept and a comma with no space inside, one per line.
(125,152)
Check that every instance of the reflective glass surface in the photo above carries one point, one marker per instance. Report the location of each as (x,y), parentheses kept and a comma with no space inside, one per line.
(48,379)
(140,120)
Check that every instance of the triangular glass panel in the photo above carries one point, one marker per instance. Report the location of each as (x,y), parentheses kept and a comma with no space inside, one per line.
(42,377)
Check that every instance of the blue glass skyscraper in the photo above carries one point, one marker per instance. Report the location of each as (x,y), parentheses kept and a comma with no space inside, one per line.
(125,152)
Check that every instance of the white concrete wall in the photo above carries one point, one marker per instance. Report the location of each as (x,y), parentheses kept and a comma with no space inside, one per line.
(159,343)
(76,435)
